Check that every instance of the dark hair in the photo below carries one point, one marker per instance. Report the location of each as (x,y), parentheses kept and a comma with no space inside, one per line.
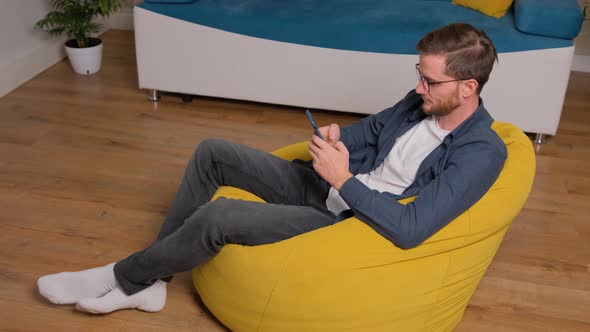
(470,52)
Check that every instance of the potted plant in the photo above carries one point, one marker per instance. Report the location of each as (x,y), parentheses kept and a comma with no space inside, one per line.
(75,18)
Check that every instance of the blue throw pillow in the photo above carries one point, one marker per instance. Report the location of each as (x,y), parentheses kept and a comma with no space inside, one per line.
(552,18)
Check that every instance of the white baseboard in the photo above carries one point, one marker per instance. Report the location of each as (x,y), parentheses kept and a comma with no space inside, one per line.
(581,63)
(122,20)
(23,69)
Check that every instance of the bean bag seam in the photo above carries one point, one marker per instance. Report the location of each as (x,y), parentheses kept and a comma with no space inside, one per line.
(272,290)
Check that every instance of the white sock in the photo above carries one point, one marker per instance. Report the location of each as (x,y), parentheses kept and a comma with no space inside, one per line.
(151,299)
(70,287)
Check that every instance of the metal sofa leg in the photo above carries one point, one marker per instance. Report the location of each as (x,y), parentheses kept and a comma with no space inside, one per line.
(540,139)
(153,95)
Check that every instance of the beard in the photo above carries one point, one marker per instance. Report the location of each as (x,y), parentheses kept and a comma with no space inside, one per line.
(440,107)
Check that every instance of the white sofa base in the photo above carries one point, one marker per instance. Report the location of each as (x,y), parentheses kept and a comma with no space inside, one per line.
(526,88)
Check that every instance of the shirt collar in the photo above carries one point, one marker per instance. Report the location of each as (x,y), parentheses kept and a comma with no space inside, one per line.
(480,116)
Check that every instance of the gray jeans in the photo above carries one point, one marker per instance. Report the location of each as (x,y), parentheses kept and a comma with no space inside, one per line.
(195,229)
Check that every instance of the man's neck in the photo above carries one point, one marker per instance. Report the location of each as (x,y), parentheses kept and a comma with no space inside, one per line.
(452,120)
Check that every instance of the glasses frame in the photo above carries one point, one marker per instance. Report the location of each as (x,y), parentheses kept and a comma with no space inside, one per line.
(426,83)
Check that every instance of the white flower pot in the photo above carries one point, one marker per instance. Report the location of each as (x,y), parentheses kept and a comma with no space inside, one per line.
(86,60)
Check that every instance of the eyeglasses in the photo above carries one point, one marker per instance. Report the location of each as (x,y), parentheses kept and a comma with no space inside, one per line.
(428,83)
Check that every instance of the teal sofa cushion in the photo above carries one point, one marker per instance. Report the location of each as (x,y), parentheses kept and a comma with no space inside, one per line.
(553,18)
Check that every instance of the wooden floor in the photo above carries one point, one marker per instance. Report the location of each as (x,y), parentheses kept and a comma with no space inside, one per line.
(88,168)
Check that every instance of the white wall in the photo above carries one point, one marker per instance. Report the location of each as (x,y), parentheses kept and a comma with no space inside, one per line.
(582,42)
(17,34)
(24,51)
(123,19)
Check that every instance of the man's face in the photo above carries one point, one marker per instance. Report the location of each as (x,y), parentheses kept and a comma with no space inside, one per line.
(439,99)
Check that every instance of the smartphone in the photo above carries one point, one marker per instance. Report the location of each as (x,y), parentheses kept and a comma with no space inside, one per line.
(314,125)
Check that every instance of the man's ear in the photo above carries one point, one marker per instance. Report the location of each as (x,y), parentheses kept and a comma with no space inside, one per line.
(470,88)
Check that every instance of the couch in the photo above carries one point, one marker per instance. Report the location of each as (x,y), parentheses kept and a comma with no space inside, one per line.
(349,55)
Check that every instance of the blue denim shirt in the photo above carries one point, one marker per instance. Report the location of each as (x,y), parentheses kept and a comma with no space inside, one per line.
(451,179)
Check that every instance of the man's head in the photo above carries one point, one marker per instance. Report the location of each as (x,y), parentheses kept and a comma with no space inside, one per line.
(455,63)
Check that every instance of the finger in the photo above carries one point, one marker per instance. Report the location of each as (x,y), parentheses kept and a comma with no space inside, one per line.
(314,155)
(324,130)
(319,142)
(314,149)
(315,140)
(341,147)
(333,132)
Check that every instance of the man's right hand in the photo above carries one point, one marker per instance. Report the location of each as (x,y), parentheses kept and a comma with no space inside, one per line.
(331,133)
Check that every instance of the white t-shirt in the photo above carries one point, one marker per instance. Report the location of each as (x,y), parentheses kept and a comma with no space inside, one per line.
(399,168)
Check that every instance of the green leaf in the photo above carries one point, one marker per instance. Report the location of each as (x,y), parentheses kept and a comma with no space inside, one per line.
(76,17)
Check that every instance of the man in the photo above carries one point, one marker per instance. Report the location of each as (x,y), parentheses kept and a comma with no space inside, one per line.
(435,144)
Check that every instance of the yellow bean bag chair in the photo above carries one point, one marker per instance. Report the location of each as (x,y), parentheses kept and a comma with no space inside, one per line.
(346,277)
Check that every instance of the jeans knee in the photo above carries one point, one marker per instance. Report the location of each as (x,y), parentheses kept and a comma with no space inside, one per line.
(210,146)
(217,216)
(214,210)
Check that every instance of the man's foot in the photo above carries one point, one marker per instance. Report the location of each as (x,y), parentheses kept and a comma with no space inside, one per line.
(151,299)
(70,287)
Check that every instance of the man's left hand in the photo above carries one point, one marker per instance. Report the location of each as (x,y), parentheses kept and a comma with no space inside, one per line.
(330,162)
